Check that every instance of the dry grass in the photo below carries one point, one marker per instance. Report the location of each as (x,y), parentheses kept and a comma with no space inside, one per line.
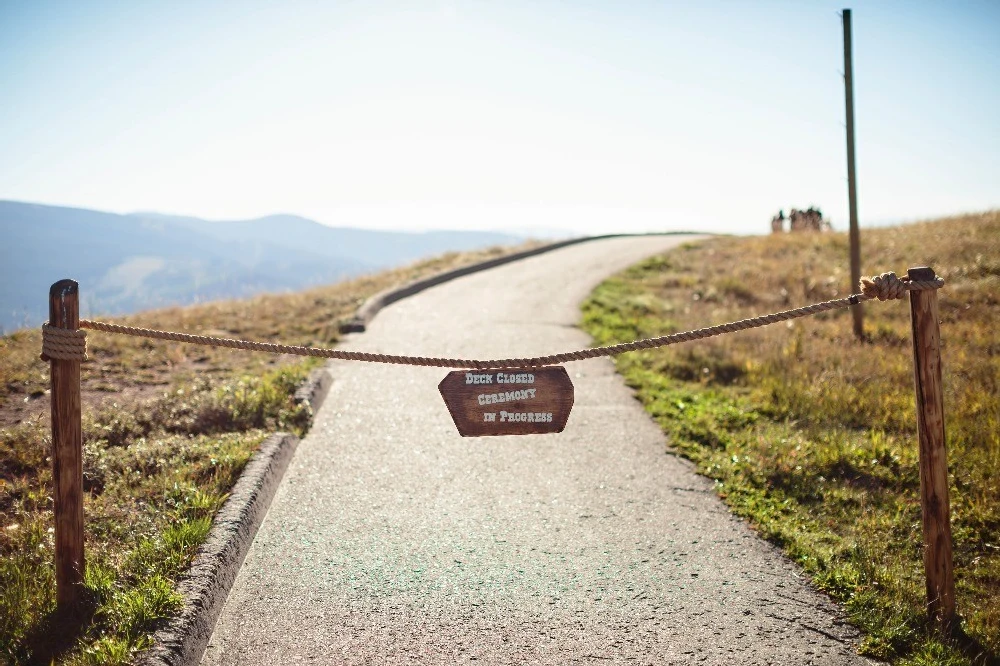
(167,429)
(810,433)
(122,366)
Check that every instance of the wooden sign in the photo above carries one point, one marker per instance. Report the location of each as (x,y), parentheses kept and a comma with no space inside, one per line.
(508,402)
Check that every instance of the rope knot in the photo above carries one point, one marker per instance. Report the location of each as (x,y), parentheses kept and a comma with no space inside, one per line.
(884,287)
(63,344)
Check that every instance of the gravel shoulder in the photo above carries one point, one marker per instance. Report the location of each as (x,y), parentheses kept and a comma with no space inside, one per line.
(393,540)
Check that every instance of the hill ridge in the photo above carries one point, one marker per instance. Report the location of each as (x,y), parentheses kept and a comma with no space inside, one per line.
(135,261)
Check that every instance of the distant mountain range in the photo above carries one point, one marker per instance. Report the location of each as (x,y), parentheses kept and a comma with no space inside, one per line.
(126,263)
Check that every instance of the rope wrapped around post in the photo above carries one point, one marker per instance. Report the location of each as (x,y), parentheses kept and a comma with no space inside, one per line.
(72,345)
(63,344)
(887,286)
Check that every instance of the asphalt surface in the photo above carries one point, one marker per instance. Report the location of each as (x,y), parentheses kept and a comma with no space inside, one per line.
(393,540)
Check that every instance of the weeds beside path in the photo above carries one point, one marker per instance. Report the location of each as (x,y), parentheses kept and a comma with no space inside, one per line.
(168,428)
(810,434)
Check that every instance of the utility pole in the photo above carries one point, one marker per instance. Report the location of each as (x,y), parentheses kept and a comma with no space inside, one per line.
(852,182)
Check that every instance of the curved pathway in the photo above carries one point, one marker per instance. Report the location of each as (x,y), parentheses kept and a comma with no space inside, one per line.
(393,540)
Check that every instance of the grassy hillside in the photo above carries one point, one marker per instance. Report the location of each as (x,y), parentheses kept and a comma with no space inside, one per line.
(167,429)
(811,434)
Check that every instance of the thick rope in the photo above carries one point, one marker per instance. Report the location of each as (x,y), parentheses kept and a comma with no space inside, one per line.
(883,287)
(887,286)
(63,344)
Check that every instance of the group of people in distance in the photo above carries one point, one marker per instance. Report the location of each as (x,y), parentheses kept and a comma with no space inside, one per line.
(810,219)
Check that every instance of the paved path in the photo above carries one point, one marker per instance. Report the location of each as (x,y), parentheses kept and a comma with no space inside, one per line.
(393,540)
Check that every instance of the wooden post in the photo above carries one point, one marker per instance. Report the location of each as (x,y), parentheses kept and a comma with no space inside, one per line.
(67,451)
(933,456)
(852,184)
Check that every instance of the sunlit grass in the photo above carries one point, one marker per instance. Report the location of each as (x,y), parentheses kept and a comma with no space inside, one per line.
(153,481)
(811,434)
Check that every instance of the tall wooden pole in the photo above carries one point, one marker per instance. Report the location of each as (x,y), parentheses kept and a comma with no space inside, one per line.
(852,183)
(933,456)
(67,451)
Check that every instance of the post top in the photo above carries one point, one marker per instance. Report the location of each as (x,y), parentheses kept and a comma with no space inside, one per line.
(921,273)
(64,288)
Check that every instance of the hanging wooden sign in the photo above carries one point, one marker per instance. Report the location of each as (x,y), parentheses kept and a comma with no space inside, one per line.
(508,402)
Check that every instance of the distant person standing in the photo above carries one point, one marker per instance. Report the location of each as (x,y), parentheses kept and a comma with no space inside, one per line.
(778,222)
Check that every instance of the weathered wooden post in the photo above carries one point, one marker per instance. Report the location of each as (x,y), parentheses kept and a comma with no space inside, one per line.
(933,456)
(67,451)
(852,180)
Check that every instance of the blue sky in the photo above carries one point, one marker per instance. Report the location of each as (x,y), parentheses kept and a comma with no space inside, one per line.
(576,116)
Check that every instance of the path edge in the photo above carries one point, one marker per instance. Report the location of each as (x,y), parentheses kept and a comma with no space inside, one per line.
(364,314)
(206,584)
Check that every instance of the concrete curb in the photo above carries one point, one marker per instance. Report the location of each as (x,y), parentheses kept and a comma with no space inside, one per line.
(371,307)
(313,391)
(205,586)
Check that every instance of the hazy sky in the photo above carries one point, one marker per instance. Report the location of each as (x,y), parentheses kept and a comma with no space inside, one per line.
(581,116)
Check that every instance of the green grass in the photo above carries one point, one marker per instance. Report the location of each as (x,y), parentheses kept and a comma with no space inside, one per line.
(168,428)
(811,435)
(153,477)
